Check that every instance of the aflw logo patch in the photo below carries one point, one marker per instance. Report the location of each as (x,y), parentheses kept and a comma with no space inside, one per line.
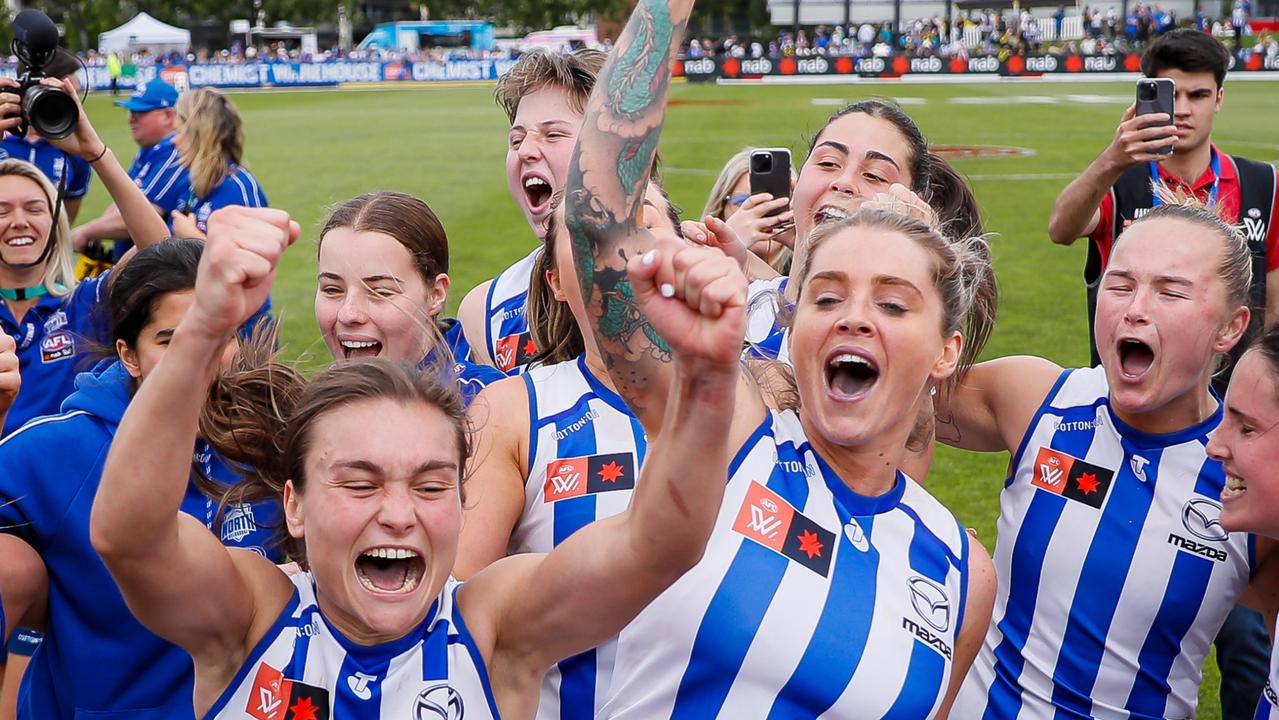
(769,520)
(514,350)
(573,477)
(273,697)
(1070,477)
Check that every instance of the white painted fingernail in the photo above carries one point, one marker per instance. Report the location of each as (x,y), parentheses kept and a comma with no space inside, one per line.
(649,257)
(667,290)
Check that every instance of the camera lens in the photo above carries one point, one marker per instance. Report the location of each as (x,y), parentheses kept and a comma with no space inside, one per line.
(761,163)
(1147,91)
(50,111)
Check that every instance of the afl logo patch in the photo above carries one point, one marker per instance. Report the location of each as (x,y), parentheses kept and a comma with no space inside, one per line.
(439,702)
(1254,213)
(55,347)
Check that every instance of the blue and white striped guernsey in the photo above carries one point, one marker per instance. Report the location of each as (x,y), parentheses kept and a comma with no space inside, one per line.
(506,333)
(585,449)
(1268,704)
(810,601)
(305,668)
(766,338)
(1114,571)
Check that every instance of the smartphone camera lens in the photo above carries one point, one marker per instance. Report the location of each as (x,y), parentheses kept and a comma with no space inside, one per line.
(1147,91)
(761,163)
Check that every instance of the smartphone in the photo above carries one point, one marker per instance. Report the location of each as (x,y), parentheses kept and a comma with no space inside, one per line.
(1155,95)
(770,173)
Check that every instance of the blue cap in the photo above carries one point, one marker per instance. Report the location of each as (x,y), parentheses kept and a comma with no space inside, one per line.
(154,95)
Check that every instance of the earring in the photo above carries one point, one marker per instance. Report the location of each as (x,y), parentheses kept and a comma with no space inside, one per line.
(933,391)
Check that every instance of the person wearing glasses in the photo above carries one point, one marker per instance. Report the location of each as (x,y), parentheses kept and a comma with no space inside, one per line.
(770,236)
(157,169)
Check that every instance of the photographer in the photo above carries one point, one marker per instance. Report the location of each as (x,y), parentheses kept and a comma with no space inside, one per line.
(156,168)
(38,151)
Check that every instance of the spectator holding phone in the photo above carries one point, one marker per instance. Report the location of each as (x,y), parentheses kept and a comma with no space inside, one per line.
(1116,188)
(765,224)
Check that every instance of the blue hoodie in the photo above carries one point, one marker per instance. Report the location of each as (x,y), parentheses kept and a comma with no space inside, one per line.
(96,658)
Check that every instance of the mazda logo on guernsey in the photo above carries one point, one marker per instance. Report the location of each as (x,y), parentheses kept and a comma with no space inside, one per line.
(439,702)
(930,602)
(1202,518)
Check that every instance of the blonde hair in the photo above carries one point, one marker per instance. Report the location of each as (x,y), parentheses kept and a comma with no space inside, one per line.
(958,265)
(214,137)
(1235,268)
(732,171)
(59,276)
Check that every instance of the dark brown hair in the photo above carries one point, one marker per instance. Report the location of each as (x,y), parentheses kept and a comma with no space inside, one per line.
(1187,50)
(261,413)
(407,219)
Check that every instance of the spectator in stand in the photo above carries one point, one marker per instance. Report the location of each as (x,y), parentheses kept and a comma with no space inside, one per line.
(156,169)
(1239,21)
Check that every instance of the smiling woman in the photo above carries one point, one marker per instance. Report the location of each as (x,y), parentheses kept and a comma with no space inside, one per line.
(383,281)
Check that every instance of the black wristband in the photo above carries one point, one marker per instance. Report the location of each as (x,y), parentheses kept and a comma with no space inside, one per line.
(100,155)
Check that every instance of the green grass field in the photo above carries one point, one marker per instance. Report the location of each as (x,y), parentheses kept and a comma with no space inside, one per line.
(447,145)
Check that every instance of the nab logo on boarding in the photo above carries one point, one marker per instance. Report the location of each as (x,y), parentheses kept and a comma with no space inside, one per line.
(514,350)
(574,477)
(1070,477)
(769,520)
(273,697)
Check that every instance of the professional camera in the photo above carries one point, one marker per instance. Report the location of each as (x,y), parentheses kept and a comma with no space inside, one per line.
(51,111)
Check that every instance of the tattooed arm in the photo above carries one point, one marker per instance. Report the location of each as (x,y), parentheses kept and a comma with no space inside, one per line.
(604,200)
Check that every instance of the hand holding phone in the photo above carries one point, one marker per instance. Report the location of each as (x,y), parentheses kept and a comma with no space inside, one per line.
(770,173)
(1155,96)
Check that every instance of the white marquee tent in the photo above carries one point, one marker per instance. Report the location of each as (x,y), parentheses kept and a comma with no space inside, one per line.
(144,32)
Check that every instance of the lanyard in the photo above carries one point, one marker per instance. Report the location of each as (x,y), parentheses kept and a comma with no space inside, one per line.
(1215,164)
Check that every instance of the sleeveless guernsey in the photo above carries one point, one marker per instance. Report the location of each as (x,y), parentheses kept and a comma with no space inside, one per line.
(304,669)
(1114,571)
(811,600)
(506,326)
(585,449)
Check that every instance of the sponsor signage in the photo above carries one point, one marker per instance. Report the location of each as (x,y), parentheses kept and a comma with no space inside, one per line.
(903,65)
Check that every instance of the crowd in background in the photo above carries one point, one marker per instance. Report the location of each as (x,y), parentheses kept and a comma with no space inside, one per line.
(1105,31)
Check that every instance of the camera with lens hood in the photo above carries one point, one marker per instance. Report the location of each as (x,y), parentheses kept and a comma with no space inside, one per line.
(50,110)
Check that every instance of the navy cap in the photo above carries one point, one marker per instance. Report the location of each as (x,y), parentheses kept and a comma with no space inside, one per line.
(154,95)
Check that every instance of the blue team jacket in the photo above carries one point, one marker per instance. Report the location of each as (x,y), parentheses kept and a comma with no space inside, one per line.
(97,660)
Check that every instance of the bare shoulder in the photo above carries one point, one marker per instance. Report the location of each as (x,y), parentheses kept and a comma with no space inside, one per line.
(471,314)
(485,598)
(269,587)
(502,405)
